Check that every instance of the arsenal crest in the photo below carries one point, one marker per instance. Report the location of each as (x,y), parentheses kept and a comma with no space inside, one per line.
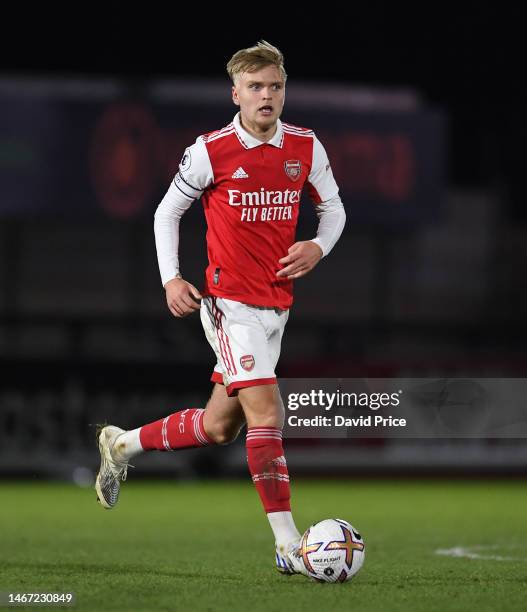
(247,362)
(293,169)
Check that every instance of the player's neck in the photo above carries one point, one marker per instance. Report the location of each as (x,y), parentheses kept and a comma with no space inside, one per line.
(256,131)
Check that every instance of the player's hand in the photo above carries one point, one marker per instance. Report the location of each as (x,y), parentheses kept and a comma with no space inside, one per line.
(182,297)
(302,258)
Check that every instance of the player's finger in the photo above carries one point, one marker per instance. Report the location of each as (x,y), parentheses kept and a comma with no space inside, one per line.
(287,259)
(299,261)
(174,311)
(290,269)
(190,302)
(283,272)
(185,310)
(194,292)
(177,307)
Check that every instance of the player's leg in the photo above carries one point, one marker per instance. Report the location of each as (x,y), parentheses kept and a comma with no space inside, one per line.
(246,341)
(223,416)
(218,423)
(264,413)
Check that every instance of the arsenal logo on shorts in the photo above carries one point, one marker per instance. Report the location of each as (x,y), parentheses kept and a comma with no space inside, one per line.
(247,362)
(293,169)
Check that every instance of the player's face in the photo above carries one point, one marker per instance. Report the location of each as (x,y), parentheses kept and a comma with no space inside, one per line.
(260,96)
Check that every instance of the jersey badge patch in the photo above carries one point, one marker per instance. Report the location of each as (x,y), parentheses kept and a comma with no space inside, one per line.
(293,169)
(185,161)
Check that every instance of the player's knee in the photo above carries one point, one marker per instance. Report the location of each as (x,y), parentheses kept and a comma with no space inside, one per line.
(224,435)
(266,415)
(226,438)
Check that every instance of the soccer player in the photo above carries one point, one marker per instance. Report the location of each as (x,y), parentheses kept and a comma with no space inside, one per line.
(249,176)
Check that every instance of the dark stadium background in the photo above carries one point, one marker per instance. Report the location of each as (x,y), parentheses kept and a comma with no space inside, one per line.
(429,286)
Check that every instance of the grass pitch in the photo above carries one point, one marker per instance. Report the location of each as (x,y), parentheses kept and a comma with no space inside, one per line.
(207,546)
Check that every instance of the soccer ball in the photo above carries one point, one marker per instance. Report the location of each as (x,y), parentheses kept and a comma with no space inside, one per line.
(332,551)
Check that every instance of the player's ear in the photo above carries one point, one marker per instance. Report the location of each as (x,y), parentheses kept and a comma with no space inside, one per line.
(235,98)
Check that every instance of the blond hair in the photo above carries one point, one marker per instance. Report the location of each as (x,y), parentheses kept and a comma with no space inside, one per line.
(255,58)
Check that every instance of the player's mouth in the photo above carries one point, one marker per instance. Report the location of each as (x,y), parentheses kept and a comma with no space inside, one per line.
(266,110)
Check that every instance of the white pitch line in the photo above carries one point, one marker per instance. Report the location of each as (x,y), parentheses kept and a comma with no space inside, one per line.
(468,553)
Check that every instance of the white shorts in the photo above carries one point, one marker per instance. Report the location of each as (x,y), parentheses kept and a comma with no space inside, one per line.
(246,341)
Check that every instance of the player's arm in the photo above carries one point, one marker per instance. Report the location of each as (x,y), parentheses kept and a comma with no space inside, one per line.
(303,256)
(182,297)
(194,175)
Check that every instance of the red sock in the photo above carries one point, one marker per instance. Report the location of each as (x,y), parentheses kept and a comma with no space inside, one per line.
(182,429)
(268,468)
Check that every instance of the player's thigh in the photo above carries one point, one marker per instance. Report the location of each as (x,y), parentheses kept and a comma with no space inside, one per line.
(262,406)
(224,415)
(240,341)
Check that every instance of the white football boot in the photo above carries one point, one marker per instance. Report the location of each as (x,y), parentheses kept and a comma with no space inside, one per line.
(112,470)
(289,559)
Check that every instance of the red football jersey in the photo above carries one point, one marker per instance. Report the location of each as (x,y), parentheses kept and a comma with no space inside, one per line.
(251,196)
